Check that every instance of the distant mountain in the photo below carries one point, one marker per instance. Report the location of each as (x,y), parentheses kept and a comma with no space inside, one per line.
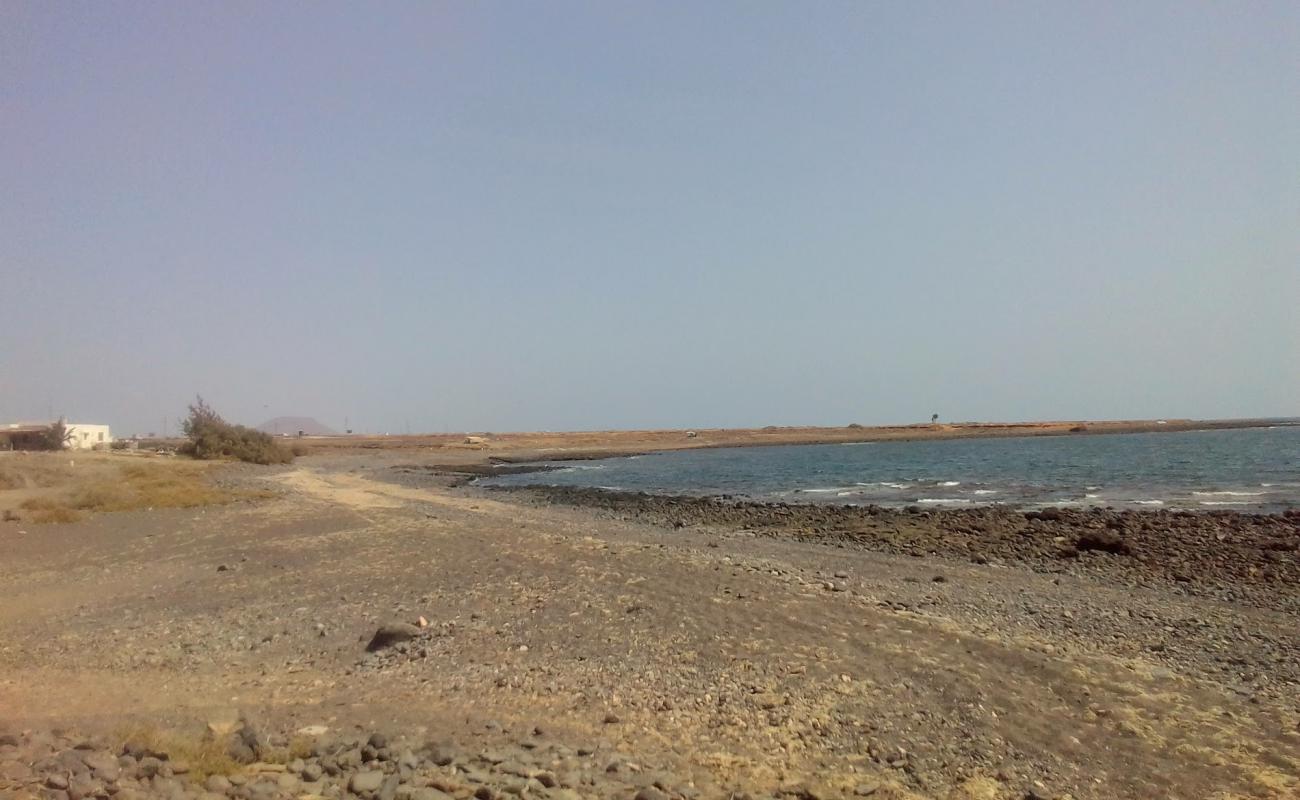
(291,426)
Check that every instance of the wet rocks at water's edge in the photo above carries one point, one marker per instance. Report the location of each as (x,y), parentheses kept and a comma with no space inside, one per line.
(1225,554)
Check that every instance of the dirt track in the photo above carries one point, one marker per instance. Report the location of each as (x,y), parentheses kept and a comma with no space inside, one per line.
(731,662)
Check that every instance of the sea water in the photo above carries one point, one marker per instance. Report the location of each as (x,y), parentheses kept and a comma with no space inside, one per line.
(1247,469)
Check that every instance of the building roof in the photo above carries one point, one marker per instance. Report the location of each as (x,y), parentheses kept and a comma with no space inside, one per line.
(24,427)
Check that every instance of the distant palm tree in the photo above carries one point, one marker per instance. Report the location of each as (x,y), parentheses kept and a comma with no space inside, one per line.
(934,418)
(55,437)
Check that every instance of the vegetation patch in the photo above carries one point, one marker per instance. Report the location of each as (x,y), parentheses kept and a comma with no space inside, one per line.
(211,437)
(49,513)
(49,488)
(204,755)
(30,471)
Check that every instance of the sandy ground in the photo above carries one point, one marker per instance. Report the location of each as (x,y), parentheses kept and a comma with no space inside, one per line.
(732,662)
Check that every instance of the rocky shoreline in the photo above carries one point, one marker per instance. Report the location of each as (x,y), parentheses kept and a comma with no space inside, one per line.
(546,645)
(1227,555)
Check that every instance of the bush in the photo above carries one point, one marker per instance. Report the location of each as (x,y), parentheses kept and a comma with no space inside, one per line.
(55,437)
(59,492)
(210,437)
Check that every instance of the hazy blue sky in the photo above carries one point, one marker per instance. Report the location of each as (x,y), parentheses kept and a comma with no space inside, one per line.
(538,215)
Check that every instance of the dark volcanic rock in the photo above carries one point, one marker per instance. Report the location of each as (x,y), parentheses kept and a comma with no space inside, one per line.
(1245,557)
(391,634)
(1103,540)
(1047,515)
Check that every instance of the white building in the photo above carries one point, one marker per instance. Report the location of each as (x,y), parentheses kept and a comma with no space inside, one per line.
(31,435)
(88,437)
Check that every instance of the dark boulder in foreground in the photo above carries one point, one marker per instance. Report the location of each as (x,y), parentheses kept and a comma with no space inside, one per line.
(390,634)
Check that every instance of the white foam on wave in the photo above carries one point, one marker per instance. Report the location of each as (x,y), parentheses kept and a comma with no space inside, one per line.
(939,500)
(581,468)
(1223,502)
(821,491)
(1092,496)
(887,485)
(949,483)
(986,491)
(1228,494)
(1149,502)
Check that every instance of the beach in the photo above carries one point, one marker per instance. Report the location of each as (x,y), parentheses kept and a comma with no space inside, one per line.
(617,645)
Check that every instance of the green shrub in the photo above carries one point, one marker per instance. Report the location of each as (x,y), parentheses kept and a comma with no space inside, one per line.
(210,436)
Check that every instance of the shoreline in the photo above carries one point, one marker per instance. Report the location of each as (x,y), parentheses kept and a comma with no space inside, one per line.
(471,465)
(1232,556)
(799,651)
(471,476)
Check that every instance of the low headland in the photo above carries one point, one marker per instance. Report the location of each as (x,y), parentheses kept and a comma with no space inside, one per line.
(519,447)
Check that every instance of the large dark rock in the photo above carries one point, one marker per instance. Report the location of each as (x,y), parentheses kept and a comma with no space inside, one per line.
(1105,541)
(1046,515)
(391,634)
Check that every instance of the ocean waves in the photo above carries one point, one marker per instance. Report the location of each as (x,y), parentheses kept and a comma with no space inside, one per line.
(1234,469)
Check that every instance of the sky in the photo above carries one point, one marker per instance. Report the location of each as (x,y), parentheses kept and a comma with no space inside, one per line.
(500,216)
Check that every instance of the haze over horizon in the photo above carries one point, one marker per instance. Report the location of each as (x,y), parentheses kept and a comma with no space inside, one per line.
(584,216)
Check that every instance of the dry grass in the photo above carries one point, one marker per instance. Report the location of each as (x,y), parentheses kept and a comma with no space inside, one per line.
(148,485)
(48,511)
(300,747)
(204,755)
(55,488)
(33,471)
